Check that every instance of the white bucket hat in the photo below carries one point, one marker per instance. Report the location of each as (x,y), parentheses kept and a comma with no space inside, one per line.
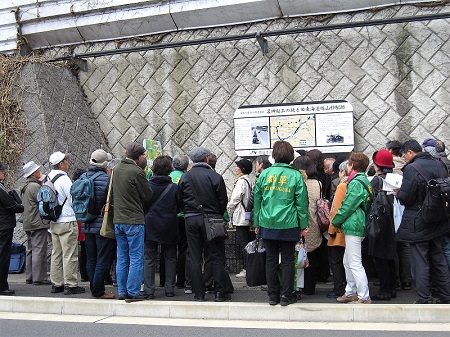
(29,168)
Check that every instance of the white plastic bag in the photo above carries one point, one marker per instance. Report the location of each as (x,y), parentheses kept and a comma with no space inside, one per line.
(398,213)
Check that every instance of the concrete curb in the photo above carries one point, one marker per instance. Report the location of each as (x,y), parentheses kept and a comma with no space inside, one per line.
(299,312)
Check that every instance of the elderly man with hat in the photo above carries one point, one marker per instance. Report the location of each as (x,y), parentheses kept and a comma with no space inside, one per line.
(237,205)
(132,197)
(99,250)
(202,186)
(35,229)
(9,206)
(64,261)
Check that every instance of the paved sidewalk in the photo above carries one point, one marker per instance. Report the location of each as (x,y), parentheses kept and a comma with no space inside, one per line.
(246,304)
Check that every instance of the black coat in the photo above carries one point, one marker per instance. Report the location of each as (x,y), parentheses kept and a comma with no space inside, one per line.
(209,187)
(101,184)
(384,245)
(8,209)
(161,222)
(411,194)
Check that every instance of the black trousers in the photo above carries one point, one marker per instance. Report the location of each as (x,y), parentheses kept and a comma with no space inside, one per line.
(181,253)
(386,275)
(428,262)
(6,237)
(242,238)
(273,267)
(336,258)
(311,273)
(196,238)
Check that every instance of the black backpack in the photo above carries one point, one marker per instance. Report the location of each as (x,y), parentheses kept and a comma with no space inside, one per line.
(436,204)
(381,213)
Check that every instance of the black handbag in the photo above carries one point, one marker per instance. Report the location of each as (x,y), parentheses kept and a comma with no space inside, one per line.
(256,263)
(215,227)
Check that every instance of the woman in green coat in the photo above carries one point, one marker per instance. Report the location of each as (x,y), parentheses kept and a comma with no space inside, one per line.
(351,217)
(280,216)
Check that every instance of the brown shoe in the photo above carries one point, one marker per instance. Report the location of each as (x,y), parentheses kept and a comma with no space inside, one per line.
(360,301)
(347,299)
(106,296)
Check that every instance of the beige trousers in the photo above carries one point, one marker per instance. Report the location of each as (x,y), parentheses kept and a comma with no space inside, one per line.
(64,261)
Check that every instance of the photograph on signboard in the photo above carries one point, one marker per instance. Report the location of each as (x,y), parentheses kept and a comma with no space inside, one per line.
(334,129)
(252,133)
(298,130)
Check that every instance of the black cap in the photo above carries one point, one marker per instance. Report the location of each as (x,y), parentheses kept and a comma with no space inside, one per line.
(245,165)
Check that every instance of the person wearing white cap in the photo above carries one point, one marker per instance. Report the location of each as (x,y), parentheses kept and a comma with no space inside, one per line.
(35,229)
(99,250)
(64,265)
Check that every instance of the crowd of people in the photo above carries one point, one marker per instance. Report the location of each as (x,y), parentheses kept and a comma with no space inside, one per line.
(162,215)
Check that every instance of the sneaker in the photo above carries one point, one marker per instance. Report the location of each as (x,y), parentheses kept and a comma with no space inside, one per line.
(74,290)
(242,274)
(136,298)
(347,299)
(57,289)
(406,286)
(360,301)
(188,290)
(7,292)
(442,301)
(106,296)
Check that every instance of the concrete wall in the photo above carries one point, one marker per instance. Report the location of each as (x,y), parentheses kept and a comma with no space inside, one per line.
(395,76)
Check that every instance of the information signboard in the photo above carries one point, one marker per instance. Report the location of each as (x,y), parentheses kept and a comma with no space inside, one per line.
(327,126)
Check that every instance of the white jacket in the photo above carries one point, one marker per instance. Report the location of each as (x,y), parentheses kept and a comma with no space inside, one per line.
(62,186)
(239,199)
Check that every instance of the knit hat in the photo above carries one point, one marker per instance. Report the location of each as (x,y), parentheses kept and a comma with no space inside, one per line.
(245,165)
(100,158)
(199,154)
(429,142)
(383,158)
(29,168)
(135,150)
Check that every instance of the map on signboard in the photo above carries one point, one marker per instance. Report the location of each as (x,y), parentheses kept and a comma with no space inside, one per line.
(298,130)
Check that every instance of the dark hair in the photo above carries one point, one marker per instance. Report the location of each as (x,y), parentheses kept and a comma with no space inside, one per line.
(440,146)
(339,160)
(180,162)
(383,169)
(264,160)
(412,145)
(77,173)
(359,161)
(306,164)
(317,157)
(282,152)
(395,147)
(162,166)
(302,152)
(212,160)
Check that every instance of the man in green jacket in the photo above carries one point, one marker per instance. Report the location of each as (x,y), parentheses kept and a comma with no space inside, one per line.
(351,217)
(34,227)
(132,195)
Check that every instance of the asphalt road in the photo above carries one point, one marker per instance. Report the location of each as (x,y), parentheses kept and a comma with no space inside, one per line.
(135,327)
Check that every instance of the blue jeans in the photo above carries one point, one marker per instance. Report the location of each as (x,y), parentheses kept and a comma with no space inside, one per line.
(98,251)
(130,258)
